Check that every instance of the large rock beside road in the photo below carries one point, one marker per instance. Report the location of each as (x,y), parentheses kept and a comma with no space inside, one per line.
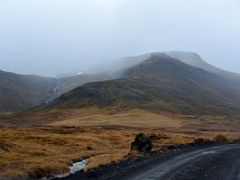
(142,144)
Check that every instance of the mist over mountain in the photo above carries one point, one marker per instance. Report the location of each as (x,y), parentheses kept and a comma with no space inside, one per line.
(195,60)
(116,68)
(106,71)
(57,36)
(160,83)
(29,91)
(109,70)
(69,83)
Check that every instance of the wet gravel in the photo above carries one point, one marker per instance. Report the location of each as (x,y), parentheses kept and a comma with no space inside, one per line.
(129,167)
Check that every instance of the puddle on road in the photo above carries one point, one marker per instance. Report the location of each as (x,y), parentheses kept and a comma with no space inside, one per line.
(209,152)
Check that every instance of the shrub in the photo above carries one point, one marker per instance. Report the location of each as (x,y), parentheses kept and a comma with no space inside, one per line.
(5,146)
(201,141)
(220,138)
(140,137)
(89,148)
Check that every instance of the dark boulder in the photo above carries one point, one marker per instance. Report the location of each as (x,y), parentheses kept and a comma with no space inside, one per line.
(141,144)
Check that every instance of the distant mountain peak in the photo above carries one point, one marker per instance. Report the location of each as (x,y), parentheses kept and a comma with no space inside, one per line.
(188,57)
(194,59)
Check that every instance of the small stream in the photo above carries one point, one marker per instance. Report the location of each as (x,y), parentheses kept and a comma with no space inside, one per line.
(57,87)
(76,167)
(53,94)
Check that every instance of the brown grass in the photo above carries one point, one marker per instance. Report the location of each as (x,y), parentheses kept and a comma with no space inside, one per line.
(220,138)
(51,150)
(98,135)
(45,150)
(133,118)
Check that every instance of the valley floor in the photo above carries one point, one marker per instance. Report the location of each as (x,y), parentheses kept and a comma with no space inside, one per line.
(59,139)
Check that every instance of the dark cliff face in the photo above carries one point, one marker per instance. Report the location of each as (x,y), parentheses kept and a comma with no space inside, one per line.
(160,83)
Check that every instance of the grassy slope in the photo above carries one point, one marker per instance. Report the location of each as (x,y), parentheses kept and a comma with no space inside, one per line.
(69,83)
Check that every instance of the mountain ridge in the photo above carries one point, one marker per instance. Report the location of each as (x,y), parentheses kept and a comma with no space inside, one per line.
(122,71)
(194,59)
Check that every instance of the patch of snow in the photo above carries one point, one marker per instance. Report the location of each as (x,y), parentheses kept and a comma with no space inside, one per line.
(79,73)
(209,152)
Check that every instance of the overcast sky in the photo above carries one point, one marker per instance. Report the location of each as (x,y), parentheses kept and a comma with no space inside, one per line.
(49,37)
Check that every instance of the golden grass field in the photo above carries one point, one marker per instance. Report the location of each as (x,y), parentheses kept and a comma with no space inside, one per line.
(47,143)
